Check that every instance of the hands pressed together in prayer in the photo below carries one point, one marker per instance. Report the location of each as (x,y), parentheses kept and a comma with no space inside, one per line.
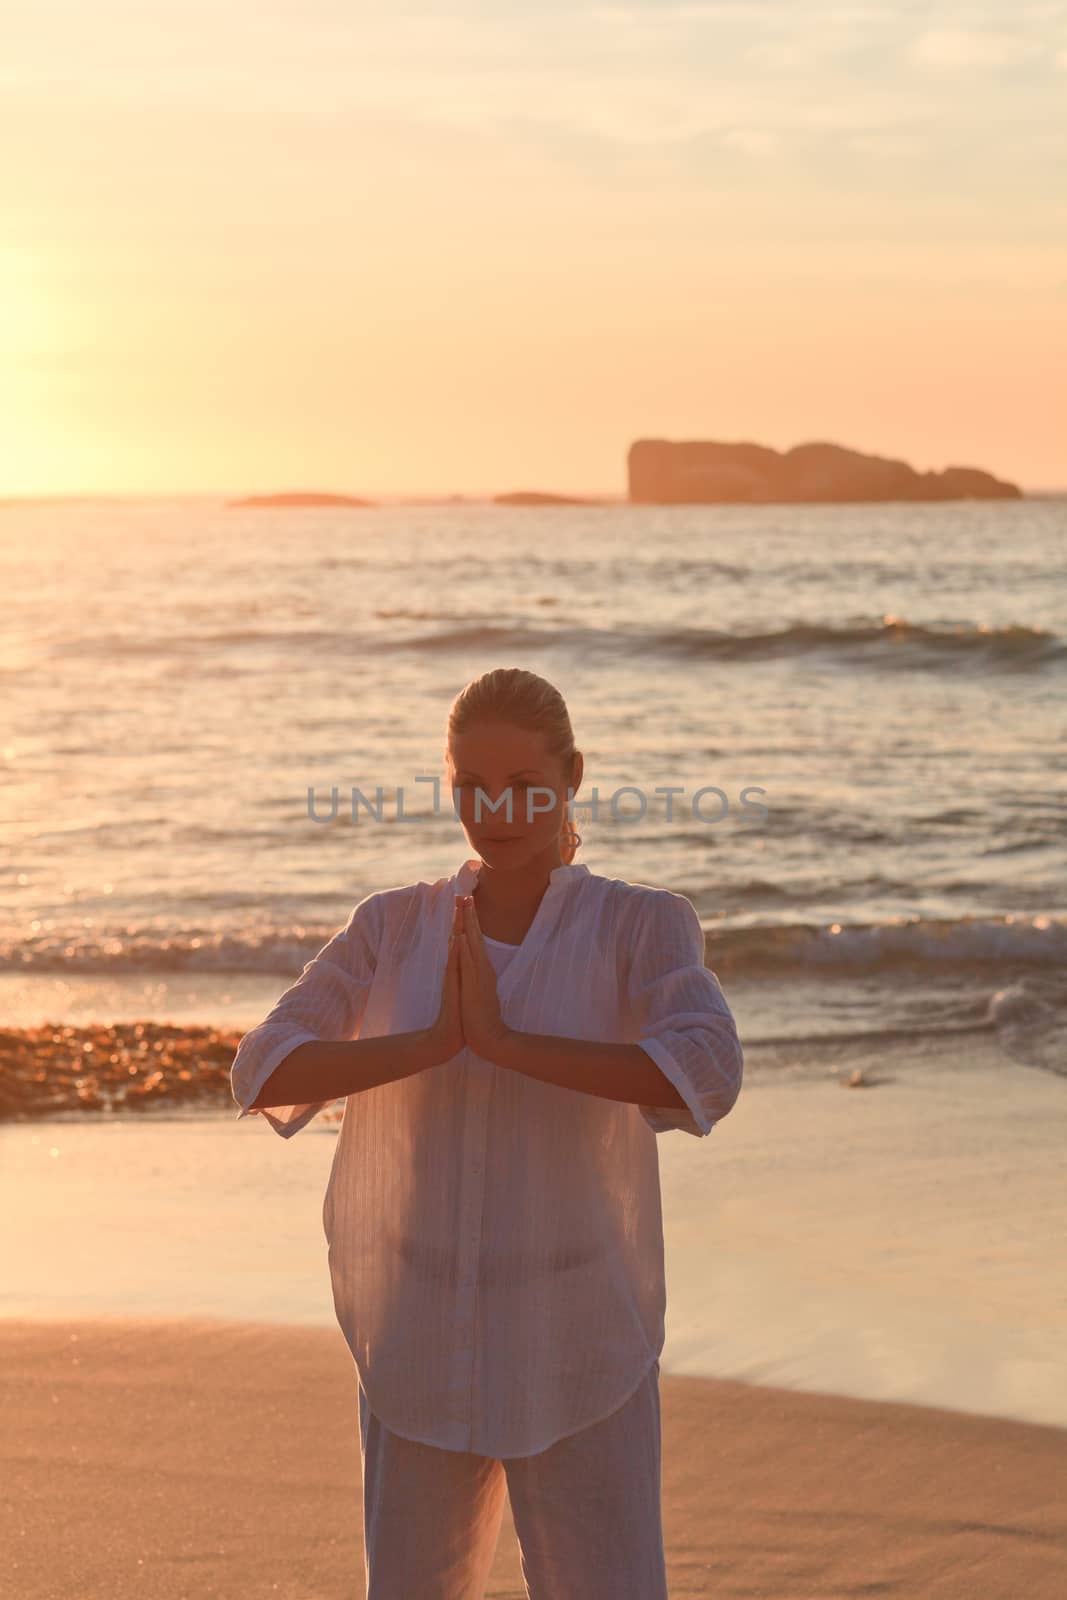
(470,1015)
(470,1010)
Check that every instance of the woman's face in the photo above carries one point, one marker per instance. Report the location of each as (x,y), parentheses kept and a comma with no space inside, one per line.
(494,757)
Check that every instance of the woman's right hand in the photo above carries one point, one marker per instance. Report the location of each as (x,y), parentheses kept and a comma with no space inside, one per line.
(446,1034)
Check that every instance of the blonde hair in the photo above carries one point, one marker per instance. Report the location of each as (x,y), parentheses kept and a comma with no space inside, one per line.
(511,694)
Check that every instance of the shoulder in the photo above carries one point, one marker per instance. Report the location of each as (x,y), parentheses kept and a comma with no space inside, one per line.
(638,898)
(393,908)
(643,908)
(385,920)
(384,910)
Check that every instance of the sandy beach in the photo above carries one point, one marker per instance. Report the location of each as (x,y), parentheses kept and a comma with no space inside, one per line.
(863,1383)
(180,1459)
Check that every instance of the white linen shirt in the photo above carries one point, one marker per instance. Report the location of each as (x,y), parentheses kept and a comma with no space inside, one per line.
(496,1241)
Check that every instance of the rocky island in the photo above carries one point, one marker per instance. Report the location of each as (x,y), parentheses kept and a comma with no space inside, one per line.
(299,497)
(706,472)
(535,497)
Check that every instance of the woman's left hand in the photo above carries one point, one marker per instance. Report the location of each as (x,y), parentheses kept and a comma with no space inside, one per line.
(483,1027)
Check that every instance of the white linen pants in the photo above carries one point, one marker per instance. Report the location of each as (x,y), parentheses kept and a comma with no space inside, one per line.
(587,1511)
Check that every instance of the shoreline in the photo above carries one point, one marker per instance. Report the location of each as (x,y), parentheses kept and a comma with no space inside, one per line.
(898,1241)
(222,1458)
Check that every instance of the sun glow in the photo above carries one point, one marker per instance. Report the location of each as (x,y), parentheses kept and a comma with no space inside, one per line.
(30,354)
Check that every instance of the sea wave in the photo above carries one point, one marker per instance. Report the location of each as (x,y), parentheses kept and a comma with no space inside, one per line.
(1027,1014)
(789,948)
(918,943)
(886,642)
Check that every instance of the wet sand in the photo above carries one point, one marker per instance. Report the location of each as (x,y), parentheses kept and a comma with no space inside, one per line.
(181,1459)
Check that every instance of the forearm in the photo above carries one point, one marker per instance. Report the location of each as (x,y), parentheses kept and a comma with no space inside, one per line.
(613,1071)
(321,1069)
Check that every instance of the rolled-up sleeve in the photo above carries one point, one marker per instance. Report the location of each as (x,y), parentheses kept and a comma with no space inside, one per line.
(326,1002)
(682,1017)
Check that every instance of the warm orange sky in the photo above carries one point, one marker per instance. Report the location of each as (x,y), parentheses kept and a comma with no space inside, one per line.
(465,248)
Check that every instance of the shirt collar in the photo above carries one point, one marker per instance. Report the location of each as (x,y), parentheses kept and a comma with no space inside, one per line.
(467,875)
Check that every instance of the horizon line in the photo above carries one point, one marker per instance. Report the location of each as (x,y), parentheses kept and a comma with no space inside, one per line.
(453,497)
(240,494)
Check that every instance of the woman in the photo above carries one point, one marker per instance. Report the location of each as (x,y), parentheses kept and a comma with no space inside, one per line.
(508,1039)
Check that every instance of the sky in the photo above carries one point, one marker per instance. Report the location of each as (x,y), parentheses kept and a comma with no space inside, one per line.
(464,248)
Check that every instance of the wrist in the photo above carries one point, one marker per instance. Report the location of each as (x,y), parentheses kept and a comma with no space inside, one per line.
(427,1049)
(431,1048)
(503,1047)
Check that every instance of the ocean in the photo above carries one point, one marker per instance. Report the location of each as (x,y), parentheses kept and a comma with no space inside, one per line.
(861,710)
